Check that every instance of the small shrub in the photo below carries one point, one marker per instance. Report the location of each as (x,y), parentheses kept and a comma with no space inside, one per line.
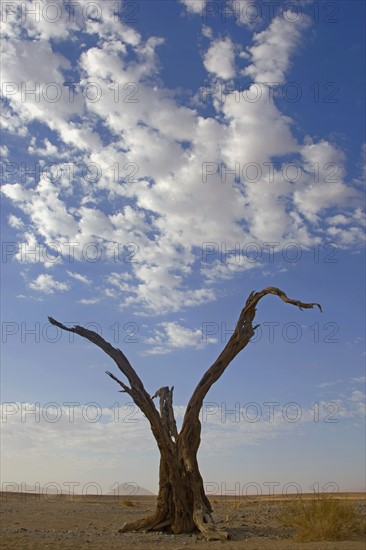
(326,519)
(128,503)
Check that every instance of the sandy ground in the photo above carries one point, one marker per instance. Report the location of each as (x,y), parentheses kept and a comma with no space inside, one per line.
(63,522)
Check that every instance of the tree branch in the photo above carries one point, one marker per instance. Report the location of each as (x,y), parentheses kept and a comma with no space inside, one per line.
(166,410)
(126,389)
(136,391)
(243,332)
(115,353)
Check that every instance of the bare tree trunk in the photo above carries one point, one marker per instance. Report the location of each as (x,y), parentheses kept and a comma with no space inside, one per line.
(182,506)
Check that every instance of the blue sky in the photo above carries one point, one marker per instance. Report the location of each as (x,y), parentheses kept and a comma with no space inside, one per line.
(181,154)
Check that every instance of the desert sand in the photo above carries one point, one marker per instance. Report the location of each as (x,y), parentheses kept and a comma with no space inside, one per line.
(92,522)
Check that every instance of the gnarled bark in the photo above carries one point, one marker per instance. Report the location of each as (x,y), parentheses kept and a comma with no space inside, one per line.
(182,506)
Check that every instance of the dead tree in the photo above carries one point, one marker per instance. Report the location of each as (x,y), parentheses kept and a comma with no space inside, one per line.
(182,506)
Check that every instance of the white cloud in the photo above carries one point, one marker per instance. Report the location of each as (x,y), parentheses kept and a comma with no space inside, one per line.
(36,92)
(226,266)
(15,221)
(45,208)
(48,285)
(207,31)
(173,336)
(194,6)
(160,294)
(82,278)
(358,396)
(273,47)
(48,149)
(247,123)
(31,252)
(324,183)
(220,58)
(89,301)
(327,384)
(340,219)
(11,121)
(246,12)
(359,180)
(33,298)
(4,151)
(359,399)
(359,379)
(38,23)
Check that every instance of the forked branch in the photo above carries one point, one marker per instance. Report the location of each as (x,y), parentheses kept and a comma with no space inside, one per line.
(243,332)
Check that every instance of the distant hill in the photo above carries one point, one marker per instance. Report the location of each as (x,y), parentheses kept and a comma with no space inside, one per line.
(127,489)
(130,489)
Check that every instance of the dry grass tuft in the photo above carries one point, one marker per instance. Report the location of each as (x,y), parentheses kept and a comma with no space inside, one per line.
(128,503)
(325,519)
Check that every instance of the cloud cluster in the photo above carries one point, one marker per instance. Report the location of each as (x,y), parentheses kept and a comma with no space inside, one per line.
(135,165)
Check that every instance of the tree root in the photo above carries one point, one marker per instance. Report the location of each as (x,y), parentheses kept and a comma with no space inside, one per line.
(203,521)
(206,525)
(150,523)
